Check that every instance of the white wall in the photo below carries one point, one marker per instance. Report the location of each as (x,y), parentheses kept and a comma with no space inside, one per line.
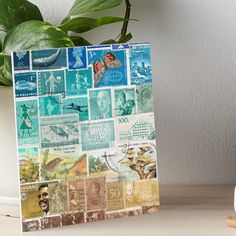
(193,52)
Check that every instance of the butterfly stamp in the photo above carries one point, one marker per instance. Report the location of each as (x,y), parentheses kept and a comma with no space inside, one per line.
(79,81)
(140,64)
(115,196)
(77,58)
(50,105)
(135,127)
(95,193)
(100,104)
(76,105)
(94,216)
(25,84)
(109,68)
(97,135)
(27,122)
(21,60)
(49,59)
(51,82)
(124,101)
(59,130)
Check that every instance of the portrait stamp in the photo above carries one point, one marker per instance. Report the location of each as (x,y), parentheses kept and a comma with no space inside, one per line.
(109,67)
(58,193)
(27,122)
(100,104)
(136,127)
(140,64)
(76,105)
(49,59)
(95,193)
(95,216)
(78,81)
(28,164)
(51,82)
(72,218)
(77,58)
(144,98)
(21,60)
(115,196)
(25,84)
(50,105)
(97,135)
(125,101)
(59,130)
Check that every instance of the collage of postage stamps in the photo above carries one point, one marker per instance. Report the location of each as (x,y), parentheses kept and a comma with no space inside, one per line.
(85,131)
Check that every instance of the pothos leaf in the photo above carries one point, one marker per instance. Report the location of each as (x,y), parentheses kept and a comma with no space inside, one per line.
(81,7)
(5,70)
(83,24)
(125,38)
(15,12)
(79,41)
(35,35)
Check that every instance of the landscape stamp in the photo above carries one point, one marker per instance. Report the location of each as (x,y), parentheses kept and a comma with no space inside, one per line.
(100,104)
(97,135)
(95,193)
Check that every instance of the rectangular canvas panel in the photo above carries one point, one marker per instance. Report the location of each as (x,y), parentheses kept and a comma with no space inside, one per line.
(85,131)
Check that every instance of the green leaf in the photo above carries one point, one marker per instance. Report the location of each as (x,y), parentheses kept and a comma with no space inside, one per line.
(84,24)
(15,12)
(79,41)
(109,41)
(126,38)
(35,35)
(5,70)
(81,7)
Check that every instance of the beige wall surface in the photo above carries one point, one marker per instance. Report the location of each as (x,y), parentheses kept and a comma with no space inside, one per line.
(193,59)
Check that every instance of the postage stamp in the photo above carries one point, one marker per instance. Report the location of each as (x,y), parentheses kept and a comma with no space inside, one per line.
(59,130)
(51,82)
(144,98)
(95,193)
(98,135)
(94,216)
(109,67)
(125,101)
(76,194)
(58,197)
(62,161)
(50,222)
(72,218)
(30,225)
(25,84)
(141,192)
(100,104)
(78,81)
(110,215)
(140,64)
(49,59)
(27,122)
(115,196)
(77,58)
(29,164)
(136,127)
(76,105)
(50,105)
(21,60)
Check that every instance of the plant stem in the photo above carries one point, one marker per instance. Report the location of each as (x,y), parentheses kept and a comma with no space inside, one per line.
(125,23)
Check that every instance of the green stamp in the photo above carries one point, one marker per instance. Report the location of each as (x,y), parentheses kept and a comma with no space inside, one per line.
(50,105)
(144,98)
(27,122)
(100,104)
(125,101)
(97,135)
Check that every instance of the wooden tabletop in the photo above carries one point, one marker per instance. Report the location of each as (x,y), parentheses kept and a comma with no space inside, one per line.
(185,210)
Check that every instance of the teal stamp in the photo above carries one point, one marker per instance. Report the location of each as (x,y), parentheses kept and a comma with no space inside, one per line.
(97,135)
(144,98)
(59,130)
(76,105)
(100,104)
(50,105)
(51,82)
(125,102)
(78,81)
(27,122)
